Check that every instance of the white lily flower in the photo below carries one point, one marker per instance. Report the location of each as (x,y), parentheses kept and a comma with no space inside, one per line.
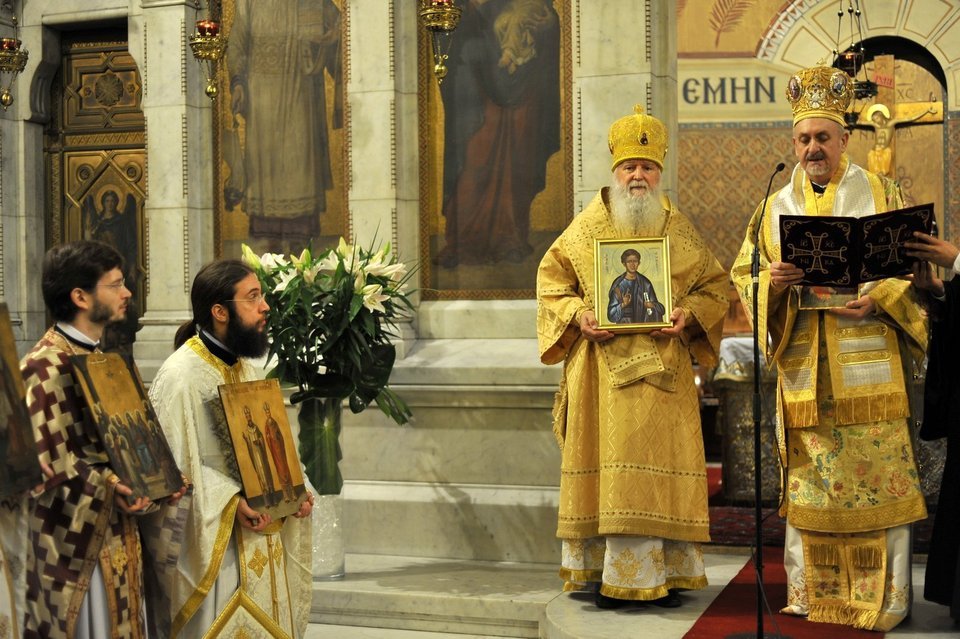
(249,257)
(394,271)
(310,273)
(345,250)
(359,281)
(330,262)
(299,262)
(373,298)
(273,261)
(285,278)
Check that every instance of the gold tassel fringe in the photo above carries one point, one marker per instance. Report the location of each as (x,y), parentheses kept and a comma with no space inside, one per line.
(824,555)
(867,557)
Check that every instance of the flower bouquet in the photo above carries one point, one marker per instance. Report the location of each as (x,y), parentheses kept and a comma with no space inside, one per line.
(330,322)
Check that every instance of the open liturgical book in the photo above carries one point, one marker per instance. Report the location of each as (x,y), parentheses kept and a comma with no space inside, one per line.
(848,251)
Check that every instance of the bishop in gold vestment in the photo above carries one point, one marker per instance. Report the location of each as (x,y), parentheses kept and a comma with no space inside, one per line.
(852,485)
(633,489)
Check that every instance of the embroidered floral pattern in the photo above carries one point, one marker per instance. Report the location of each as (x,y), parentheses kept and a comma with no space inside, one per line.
(873,469)
(627,566)
(827,583)
(594,554)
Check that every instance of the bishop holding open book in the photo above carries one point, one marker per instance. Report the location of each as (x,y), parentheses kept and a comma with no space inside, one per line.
(851,487)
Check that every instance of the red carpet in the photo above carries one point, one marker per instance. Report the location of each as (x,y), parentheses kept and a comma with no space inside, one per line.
(734,611)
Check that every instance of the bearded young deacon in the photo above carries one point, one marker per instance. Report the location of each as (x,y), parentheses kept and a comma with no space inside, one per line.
(633,484)
(84,567)
(852,486)
(242,573)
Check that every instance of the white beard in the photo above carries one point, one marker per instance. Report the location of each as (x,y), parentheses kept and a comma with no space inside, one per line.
(635,215)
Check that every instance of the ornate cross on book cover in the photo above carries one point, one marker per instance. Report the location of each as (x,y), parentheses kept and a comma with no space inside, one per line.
(847,251)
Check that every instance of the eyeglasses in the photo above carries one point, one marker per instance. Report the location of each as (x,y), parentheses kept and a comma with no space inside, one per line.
(115,285)
(253,298)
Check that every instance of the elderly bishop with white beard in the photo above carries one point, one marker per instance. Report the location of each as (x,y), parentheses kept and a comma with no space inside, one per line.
(633,484)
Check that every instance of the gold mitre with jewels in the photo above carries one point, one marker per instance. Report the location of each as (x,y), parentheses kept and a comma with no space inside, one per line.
(820,92)
(638,137)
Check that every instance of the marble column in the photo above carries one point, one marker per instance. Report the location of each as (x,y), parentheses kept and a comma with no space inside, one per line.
(610,76)
(179,207)
(381,93)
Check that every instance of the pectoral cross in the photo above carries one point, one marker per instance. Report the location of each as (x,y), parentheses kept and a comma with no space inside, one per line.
(885,115)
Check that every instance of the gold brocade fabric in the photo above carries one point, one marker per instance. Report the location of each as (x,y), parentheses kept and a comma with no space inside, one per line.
(852,477)
(851,480)
(842,393)
(632,568)
(627,416)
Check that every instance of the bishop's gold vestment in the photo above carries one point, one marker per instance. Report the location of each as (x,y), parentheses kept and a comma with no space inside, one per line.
(627,414)
(843,416)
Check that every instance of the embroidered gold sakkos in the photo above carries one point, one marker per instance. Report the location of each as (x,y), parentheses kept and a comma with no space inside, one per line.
(852,484)
(628,467)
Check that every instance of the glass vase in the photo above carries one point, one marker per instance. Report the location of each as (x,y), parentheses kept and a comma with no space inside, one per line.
(320,424)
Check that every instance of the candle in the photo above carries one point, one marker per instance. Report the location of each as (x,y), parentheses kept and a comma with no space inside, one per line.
(9,44)
(208,28)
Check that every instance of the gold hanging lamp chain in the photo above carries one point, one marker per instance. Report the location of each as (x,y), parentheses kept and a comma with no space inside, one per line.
(208,44)
(13,58)
(440,18)
(439,15)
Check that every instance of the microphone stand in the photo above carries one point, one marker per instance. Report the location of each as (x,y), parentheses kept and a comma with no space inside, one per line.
(757,491)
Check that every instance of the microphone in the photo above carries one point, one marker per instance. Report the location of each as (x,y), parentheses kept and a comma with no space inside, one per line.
(755,267)
(757,412)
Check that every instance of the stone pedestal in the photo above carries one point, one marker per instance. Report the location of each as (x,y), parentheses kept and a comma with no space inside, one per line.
(733,385)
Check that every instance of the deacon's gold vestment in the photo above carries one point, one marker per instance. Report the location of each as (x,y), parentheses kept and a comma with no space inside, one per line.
(224,580)
(843,412)
(627,414)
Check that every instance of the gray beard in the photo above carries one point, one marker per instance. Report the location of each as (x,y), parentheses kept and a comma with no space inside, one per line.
(635,216)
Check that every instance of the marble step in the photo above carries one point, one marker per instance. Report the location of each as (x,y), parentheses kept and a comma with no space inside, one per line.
(392,597)
(459,597)
(459,521)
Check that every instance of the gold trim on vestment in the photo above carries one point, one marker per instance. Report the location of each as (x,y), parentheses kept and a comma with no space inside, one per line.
(580,576)
(864,357)
(240,599)
(856,520)
(274,601)
(658,592)
(231,374)
(195,600)
(852,332)
(106,560)
(131,535)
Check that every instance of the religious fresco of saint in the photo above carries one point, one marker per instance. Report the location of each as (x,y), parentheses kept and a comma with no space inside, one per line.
(495,182)
(280,158)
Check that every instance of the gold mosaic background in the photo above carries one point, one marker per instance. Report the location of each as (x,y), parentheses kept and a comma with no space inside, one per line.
(722,176)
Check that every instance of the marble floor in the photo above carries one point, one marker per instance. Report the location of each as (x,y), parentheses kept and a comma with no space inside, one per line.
(388,597)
